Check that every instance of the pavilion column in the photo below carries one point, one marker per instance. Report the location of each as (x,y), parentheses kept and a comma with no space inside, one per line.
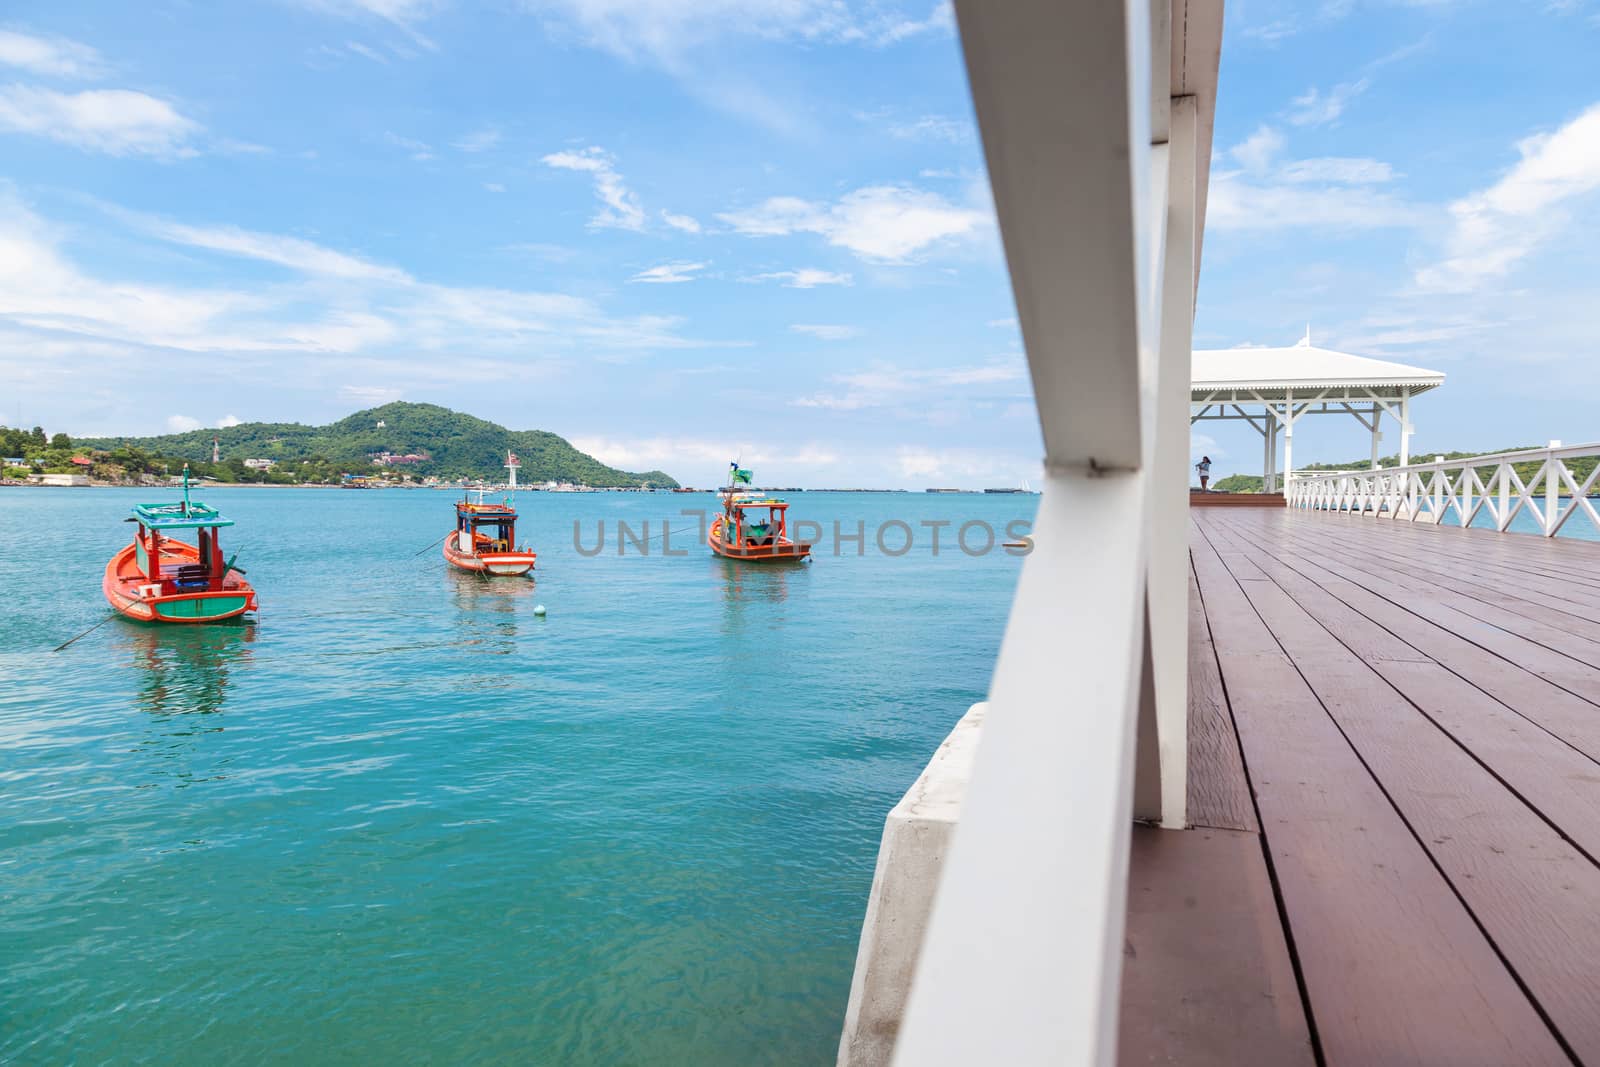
(1377,434)
(1405,427)
(1288,436)
(1269,448)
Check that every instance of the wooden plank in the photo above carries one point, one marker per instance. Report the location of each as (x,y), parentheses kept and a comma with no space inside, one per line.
(1531,891)
(1571,718)
(1206,975)
(1551,557)
(1568,638)
(1577,678)
(1394,967)
(1219,794)
(1526,593)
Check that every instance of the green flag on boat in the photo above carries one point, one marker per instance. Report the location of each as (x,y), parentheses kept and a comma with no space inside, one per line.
(738,473)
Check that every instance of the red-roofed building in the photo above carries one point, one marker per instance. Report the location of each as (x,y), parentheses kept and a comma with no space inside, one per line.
(82,461)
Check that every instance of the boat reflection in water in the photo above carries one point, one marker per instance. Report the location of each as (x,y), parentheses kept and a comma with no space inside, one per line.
(755,600)
(184,669)
(488,612)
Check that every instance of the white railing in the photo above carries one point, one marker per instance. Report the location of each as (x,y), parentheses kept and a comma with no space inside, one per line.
(1457,492)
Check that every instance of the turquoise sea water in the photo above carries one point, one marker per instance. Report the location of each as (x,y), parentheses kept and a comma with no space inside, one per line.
(400,819)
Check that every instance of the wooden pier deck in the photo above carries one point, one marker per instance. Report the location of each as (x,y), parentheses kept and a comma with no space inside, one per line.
(1394,749)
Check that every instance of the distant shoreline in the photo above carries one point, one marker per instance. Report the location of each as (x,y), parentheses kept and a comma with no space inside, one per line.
(209,486)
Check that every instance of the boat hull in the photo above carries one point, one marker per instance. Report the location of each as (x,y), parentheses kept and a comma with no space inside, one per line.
(131,593)
(489,564)
(783,551)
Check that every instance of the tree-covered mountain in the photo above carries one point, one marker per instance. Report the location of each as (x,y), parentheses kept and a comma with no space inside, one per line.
(455,446)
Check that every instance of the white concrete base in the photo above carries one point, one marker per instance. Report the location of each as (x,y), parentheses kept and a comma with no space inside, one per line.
(915,838)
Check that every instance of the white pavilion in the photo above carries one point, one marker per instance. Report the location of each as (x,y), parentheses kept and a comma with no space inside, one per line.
(1273,388)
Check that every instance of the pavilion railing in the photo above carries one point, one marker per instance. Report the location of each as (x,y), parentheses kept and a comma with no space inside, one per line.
(1549,485)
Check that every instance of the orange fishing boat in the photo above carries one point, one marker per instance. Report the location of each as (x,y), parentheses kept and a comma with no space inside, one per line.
(753,527)
(485,538)
(161,579)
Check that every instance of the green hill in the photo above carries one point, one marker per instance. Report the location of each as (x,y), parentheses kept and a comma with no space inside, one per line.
(456,446)
(1251,483)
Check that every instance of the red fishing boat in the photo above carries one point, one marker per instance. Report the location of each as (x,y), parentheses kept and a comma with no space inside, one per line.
(161,579)
(753,527)
(485,538)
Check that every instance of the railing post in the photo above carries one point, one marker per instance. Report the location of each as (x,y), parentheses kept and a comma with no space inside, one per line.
(1552,490)
(1502,471)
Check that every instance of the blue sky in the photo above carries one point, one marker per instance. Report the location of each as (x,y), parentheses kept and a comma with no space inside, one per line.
(678,233)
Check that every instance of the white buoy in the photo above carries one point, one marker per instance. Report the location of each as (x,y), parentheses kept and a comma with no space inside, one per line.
(538,609)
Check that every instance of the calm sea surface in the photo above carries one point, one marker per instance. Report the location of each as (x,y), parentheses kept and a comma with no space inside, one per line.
(401,819)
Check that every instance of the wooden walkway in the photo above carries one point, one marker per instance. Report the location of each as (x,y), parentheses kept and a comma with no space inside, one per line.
(1395,787)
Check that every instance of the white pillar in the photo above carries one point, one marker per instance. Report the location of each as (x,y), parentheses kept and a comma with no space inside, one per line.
(1022,961)
(1405,427)
(1377,434)
(1269,450)
(1167,588)
(1552,491)
(1288,437)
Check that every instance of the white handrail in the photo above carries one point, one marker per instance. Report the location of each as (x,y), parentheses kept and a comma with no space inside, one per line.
(1456,491)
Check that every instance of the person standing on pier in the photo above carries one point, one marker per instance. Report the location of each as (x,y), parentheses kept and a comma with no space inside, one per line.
(1204,467)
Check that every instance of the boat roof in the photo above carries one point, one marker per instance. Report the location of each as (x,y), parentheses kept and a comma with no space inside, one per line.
(179,516)
(758,502)
(488,511)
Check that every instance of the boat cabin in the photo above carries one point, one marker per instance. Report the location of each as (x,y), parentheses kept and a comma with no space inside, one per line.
(757,522)
(157,523)
(485,527)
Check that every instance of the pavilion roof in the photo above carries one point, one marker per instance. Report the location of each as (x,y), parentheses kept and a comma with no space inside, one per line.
(1301,366)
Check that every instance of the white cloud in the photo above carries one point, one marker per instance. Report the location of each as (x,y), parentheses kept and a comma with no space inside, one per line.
(1005,324)
(393,10)
(229,420)
(704,45)
(933,128)
(479,140)
(333,302)
(666,30)
(369,396)
(684,455)
(118,122)
(1498,227)
(962,464)
(888,385)
(884,223)
(1235,203)
(828,333)
(419,150)
(401,14)
(805,278)
(54,57)
(686,223)
(182,423)
(368,53)
(940,20)
(1316,108)
(1338,170)
(621,209)
(1256,152)
(668,273)
(298,255)
(494,187)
